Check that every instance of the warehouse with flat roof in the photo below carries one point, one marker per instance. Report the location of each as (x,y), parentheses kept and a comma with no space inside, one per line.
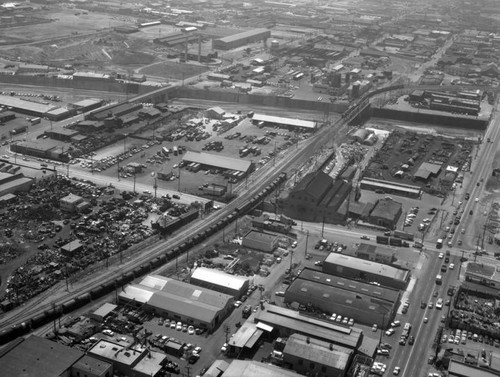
(241,39)
(170,298)
(271,120)
(220,281)
(364,270)
(40,357)
(25,107)
(218,161)
(314,357)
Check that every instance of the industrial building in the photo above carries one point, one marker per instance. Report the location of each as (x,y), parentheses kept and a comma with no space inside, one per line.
(284,322)
(261,241)
(176,38)
(386,213)
(250,368)
(48,149)
(135,360)
(363,270)
(220,281)
(116,110)
(426,171)
(11,183)
(484,274)
(315,357)
(375,253)
(289,123)
(241,39)
(89,366)
(62,134)
(354,299)
(37,356)
(200,307)
(215,113)
(87,104)
(72,203)
(317,197)
(59,113)
(393,188)
(25,107)
(218,162)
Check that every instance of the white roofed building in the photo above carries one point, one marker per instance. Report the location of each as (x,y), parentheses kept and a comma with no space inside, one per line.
(174,299)
(220,281)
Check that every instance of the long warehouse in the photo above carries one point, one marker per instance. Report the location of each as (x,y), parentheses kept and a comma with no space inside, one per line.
(217,161)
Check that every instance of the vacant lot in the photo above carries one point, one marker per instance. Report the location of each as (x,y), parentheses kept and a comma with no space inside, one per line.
(172,70)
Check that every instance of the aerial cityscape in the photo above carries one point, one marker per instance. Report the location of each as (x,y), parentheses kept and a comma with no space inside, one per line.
(249,188)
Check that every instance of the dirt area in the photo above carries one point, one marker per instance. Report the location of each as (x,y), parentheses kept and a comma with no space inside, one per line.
(173,70)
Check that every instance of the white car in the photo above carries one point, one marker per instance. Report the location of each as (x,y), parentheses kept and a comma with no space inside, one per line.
(451,266)
(441,256)
(224,347)
(108,332)
(237,304)
(390,331)
(191,330)
(374,327)
(396,371)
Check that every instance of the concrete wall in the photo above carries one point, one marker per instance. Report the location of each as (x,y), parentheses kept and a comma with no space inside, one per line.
(258,99)
(99,85)
(437,119)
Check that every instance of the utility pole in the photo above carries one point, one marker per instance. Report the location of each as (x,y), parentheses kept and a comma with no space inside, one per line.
(274,157)
(188,371)
(460,265)
(226,332)
(323,226)
(307,239)
(484,235)
(179,179)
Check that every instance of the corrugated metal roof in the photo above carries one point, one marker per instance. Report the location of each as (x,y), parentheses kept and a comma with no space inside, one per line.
(137,293)
(183,306)
(218,161)
(371,290)
(284,121)
(219,278)
(154,281)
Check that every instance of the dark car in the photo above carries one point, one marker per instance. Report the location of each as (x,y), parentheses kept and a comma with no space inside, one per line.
(411,341)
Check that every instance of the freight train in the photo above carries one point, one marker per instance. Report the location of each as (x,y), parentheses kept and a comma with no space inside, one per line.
(10,333)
